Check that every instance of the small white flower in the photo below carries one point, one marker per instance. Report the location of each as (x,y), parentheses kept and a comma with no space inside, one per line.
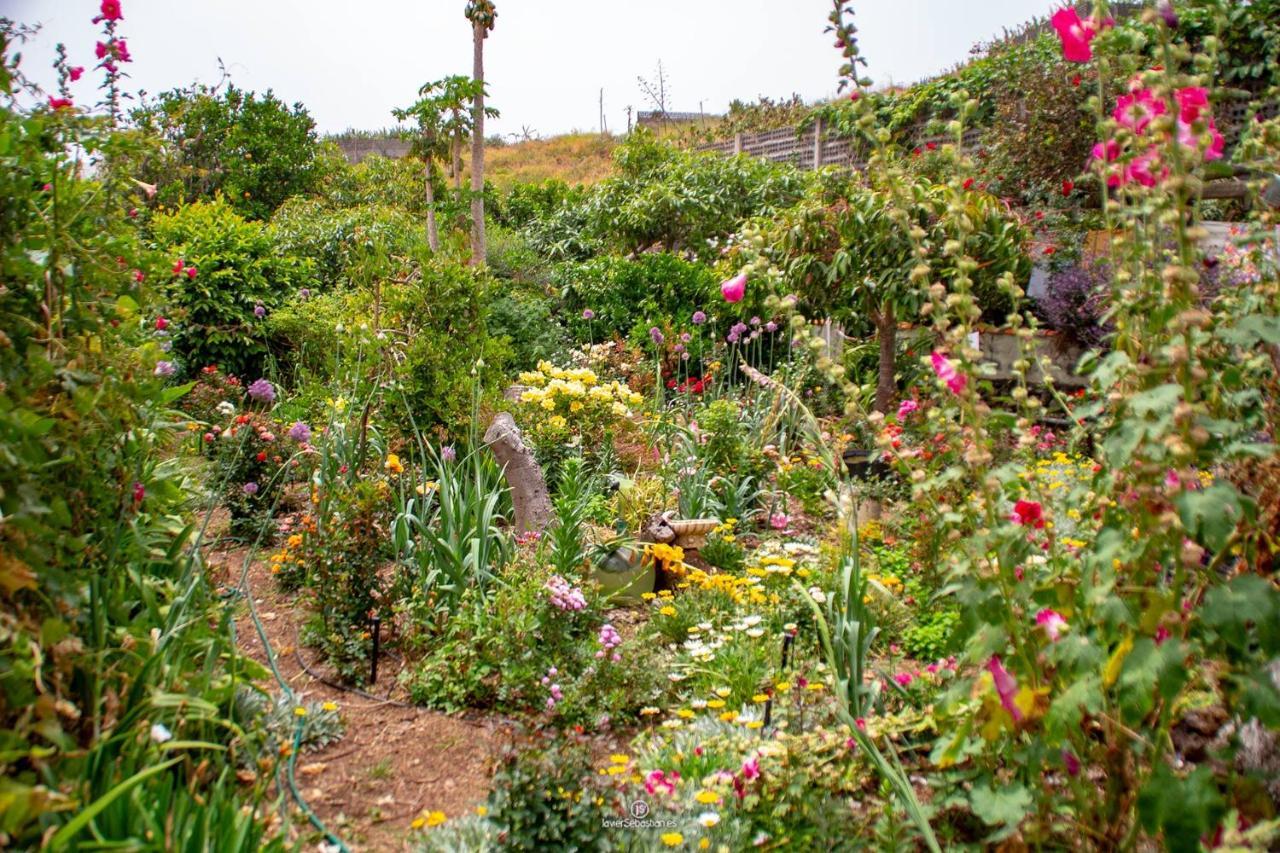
(226,407)
(160,733)
(708,819)
(817,595)
(755,633)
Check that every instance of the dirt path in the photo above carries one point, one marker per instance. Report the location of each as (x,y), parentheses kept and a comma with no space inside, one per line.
(393,762)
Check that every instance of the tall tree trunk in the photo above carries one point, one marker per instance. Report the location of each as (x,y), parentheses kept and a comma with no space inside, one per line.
(887,334)
(433,232)
(457,164)
(478,254)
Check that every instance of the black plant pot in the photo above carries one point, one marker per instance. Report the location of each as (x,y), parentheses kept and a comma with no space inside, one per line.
(865,464)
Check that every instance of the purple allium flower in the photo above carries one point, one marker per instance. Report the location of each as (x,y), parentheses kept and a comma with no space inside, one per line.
(685,337)
(656,334)
(771,327)
(699,317)
(755,321)
(448,453)
(164,368)
(259,310)
(588,314)
(305,293)
(300,432)
(250,488)
(262,391)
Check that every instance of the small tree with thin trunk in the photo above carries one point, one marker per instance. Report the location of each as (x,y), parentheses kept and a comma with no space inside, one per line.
(482,16)
(444,124)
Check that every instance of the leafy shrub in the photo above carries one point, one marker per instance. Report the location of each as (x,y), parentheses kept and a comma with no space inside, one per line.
(229,267)
(252,148)
(549,797)
(628,296)
(678,201)
(528,326)
(332,237)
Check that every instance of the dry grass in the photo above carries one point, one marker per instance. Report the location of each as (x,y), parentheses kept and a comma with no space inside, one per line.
(576,158)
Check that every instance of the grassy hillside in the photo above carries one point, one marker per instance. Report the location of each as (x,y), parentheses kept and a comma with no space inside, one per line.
(576,158)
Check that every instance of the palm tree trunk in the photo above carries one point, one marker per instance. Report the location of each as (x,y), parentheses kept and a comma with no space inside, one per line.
(457,164)
(478,255)
(433,232)
(887,334)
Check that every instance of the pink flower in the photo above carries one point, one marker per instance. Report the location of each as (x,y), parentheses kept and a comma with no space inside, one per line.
(110,11)
(906,407)
(1188,138)
(1028,514)
(121,50)
(1006,687)
(191,272)
(903,679)
(734,289)
(1137,109)
(1072,763)
(59,103)
(139,492)
(75,73)
(659,781)
(779,520)
(100,50)
(946,371)
(178,266)
(751,768)
(1106,151)
(1191,100)
(161,324)
(1052,623)
(1075,35)
(1145,169)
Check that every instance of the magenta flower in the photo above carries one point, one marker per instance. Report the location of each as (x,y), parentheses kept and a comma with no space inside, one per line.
(1146,169)
(751,768)
(139,492)
(1052,623)
(1075,34)
(1072,763)
(110,11)
(1138,109)
(656,335)
(1028,514)
(447,453)
(1006,687)
(735,288)
(100,50)
(771,327)
(259,310)
(59,103)
(75,73)
(906,407)
(588,314)
(946,371)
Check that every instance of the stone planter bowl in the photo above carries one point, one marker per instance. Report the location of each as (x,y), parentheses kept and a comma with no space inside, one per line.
(691,533)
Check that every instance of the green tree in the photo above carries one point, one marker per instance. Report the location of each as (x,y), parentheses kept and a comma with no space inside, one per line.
(202,140)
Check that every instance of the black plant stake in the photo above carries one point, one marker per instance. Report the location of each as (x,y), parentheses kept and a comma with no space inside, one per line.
(787,639)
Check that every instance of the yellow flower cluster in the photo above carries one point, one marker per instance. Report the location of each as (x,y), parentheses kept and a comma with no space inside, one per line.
(560,401)
(1059,471)
(741,590)
(287,555)
(670,556)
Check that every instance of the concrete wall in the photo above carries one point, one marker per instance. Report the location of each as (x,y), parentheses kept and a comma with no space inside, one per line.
(356,149)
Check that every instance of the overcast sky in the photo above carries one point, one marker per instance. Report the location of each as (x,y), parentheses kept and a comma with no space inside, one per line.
(350,63)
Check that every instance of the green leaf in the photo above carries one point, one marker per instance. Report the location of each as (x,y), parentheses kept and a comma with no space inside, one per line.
(1211,514)
(1183,809)
(1245,611)
(176,392)
(1005,807)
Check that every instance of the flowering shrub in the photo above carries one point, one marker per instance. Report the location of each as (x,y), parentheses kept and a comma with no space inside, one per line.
(572,407)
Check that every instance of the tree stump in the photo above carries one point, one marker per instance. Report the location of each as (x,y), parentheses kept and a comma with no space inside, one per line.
(529,495)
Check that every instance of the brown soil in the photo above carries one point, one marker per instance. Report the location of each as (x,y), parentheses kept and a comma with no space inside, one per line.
(393,762)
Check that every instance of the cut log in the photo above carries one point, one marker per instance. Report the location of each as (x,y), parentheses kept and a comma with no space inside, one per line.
(529,495)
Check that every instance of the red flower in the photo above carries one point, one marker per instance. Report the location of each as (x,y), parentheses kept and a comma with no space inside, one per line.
(1075,81)
(59,103)
(1067,187)
(137,276)
(968,183)
(1028,514)
(1049,250)
(932,146)
(110,11)
(1075,34)
(161,324)
(916,151)
(139,492)
(177,267)
(75,73)
(854,95)
(671,383)
(262,456)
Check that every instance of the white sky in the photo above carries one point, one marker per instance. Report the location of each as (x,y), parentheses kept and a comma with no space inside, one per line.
(350,63)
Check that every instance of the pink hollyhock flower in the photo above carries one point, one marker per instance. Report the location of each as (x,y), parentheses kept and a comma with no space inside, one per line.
(110,11)
(1188,138)
(946,371)
(1137,109)
(751,768)
(121,50)
(1106,151)
(1191,100)
(59,103)
(1028,514)
(1162,634)
(1006,687)
(75,73)
(1145,169)
(100,50)
(906,407)
(1052,623)
(735,288)
(903,679)
(1075,34)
